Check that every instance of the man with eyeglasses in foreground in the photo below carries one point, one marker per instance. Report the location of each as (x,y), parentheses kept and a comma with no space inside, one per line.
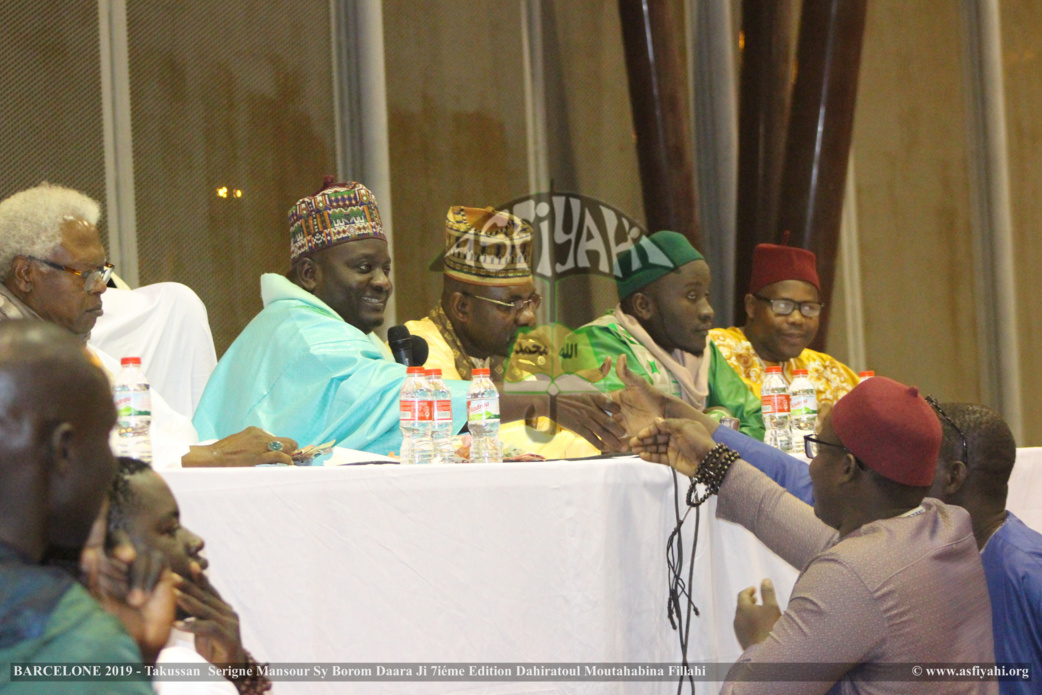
(53,269)
(889,578)
(976,458)
(783,309)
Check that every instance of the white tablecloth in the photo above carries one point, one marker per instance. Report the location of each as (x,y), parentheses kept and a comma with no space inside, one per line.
(546,562)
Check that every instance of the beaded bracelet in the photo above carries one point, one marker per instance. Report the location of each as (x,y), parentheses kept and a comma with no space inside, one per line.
(710,474)
(256,682)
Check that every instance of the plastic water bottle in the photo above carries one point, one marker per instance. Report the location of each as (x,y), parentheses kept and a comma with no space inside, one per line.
(416,418)
(803,417)
(441,435)
(863,376)
(483,419)
(133,411)
(774,397)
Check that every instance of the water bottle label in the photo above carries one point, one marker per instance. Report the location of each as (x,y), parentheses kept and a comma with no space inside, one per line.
(133,404)
(443,411)
(804,405)
(777,403)
(482,409)
(415,410)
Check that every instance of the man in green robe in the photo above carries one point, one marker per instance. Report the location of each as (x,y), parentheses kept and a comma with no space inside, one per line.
(662,324)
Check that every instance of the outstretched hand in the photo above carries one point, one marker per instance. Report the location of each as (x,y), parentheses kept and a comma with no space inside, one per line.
(593,416)
(641,402)
(752,622)
(680,444)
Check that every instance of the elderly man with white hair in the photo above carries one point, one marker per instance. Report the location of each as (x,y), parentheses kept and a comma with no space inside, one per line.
(53,268)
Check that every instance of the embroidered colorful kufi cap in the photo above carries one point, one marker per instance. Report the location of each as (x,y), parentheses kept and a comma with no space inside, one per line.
(487,247)
(891,428)
(651,258)
(777,262)
(336,213)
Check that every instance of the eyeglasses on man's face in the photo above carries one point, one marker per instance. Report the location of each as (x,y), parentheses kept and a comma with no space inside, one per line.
(518,305)
(810,448)
(93,280)
(810,445)
(784,307)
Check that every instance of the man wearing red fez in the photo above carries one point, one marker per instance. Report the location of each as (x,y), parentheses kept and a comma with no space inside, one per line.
(889,578)
(782,310)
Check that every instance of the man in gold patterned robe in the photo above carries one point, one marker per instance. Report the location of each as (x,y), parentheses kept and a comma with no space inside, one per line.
(488,295)
(783,309)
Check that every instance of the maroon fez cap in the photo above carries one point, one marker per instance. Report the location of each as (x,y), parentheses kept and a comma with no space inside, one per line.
(774,263)
(891,428)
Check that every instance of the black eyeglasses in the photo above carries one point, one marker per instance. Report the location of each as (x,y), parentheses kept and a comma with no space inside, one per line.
(518,305)
(784,307)
(92,279)
(951,423)
(810,448)
(810,443)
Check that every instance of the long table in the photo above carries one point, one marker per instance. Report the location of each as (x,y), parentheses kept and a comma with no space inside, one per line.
(546,562)
(533,562)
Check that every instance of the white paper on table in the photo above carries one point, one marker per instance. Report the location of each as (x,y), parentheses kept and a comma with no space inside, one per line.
(348,457)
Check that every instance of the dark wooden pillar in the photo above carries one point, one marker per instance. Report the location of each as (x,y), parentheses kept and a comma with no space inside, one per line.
(768,28)
(660,118)
(820,129)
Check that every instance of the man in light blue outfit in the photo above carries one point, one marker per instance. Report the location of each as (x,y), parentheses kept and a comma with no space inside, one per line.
(309,366)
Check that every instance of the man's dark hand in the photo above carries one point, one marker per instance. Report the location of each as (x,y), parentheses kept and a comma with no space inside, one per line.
(135,586)
(642,403)
(680,444)
(247,448)
(214,623)
(752,622)
(595,417)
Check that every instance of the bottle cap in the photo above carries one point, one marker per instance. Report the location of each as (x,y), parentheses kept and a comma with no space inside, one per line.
(130,360)
(414,370)
(866,374)
(774,370)
(481,371)
(799,372)
(434,372)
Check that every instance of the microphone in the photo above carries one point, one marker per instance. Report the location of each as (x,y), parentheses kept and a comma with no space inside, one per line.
(401,343)
(420,350)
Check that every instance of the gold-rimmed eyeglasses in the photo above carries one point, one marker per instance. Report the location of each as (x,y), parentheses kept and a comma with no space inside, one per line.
(92,279)
(518,305)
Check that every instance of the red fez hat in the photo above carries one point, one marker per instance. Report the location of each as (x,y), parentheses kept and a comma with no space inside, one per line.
(891,428)
(774,263)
